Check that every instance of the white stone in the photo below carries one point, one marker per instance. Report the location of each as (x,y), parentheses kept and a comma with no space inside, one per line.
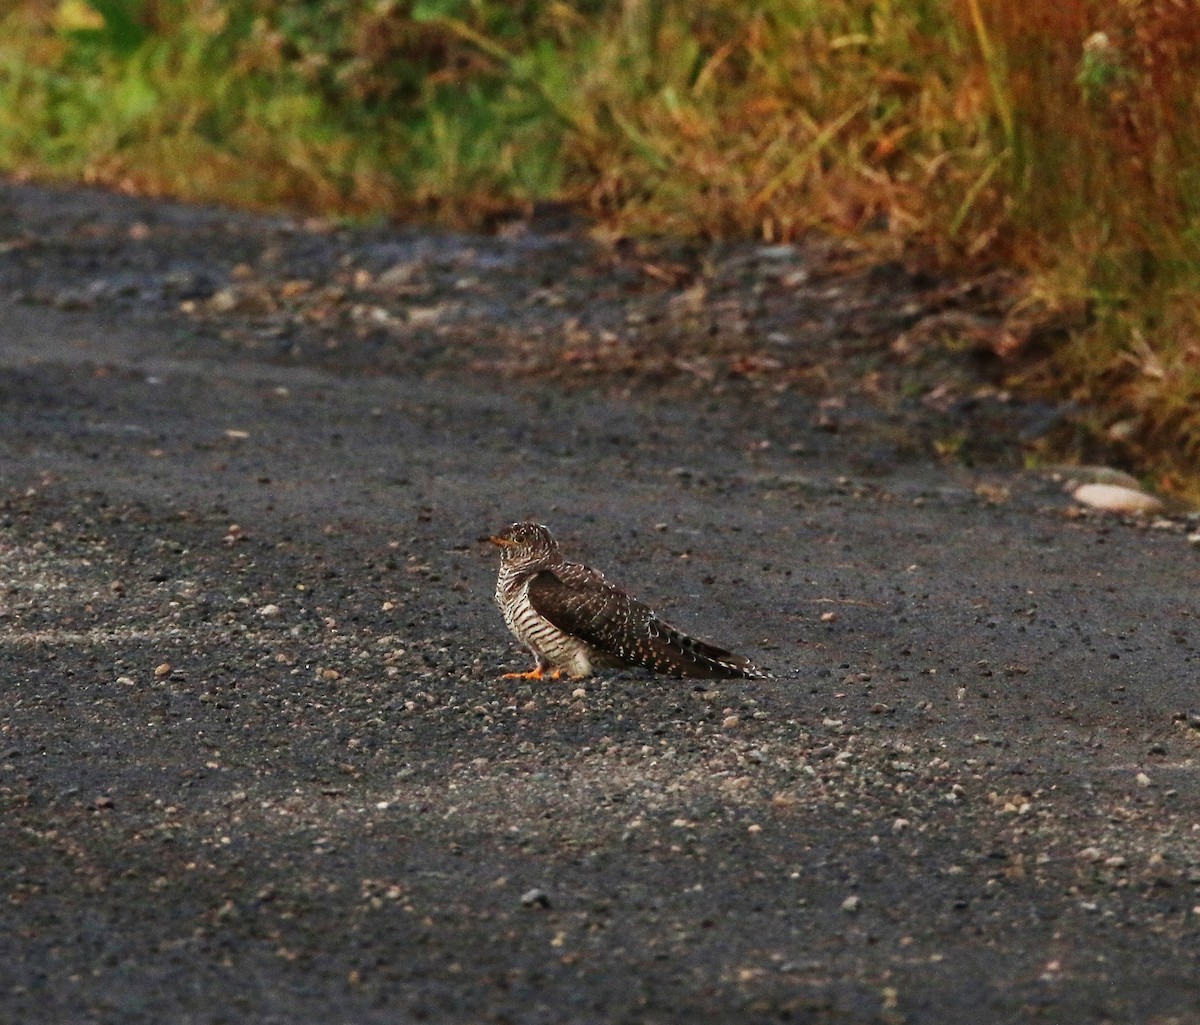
(1115,498)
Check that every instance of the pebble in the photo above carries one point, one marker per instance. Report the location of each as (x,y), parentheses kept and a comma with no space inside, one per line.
(163,669)
(779,251)
(1117,498)
(535,898)
(266,611)
(852,904)
(249,300)
(398,275)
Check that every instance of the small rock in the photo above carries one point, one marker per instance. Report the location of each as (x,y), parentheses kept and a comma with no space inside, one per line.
(782,251)
(247,300)
(1117,498)
(852,904)
(267,611)
(398,275)
(223,301)
(1142,779)
(161,670)
(535,898)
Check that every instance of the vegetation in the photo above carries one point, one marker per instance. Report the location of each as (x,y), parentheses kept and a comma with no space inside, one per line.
(1062,139)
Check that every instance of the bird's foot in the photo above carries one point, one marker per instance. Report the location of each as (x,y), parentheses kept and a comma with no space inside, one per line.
(537,673)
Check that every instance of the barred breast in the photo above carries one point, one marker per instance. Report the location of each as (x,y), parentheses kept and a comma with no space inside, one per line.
(551,645)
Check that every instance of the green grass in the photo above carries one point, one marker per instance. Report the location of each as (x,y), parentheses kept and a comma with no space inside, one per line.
(964,133)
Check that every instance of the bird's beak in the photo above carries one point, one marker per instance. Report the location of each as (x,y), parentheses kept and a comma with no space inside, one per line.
(501,542)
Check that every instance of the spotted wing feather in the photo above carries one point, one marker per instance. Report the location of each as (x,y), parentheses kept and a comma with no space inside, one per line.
(582,603)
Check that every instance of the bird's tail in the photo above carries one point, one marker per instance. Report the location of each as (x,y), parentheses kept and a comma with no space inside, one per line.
(673,651)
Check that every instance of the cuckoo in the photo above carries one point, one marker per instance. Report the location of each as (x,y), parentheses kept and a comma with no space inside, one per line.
(574,620)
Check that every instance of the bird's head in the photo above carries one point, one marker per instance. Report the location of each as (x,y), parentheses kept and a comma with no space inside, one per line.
(527,546)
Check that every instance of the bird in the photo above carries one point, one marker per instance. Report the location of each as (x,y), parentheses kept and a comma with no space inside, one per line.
(573,619)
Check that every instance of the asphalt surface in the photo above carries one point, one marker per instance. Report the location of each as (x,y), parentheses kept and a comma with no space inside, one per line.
(257,762)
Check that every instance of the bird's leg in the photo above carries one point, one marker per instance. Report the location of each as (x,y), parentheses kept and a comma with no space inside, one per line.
(538,672)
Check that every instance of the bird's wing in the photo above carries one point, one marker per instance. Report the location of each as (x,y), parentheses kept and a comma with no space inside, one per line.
(581,602)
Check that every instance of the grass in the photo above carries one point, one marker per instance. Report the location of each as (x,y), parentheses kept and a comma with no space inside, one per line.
(1060,139)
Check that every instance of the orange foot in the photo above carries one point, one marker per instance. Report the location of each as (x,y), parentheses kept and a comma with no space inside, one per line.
(537,673)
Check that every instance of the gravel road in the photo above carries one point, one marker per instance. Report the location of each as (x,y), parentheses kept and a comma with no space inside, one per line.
(257,761)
